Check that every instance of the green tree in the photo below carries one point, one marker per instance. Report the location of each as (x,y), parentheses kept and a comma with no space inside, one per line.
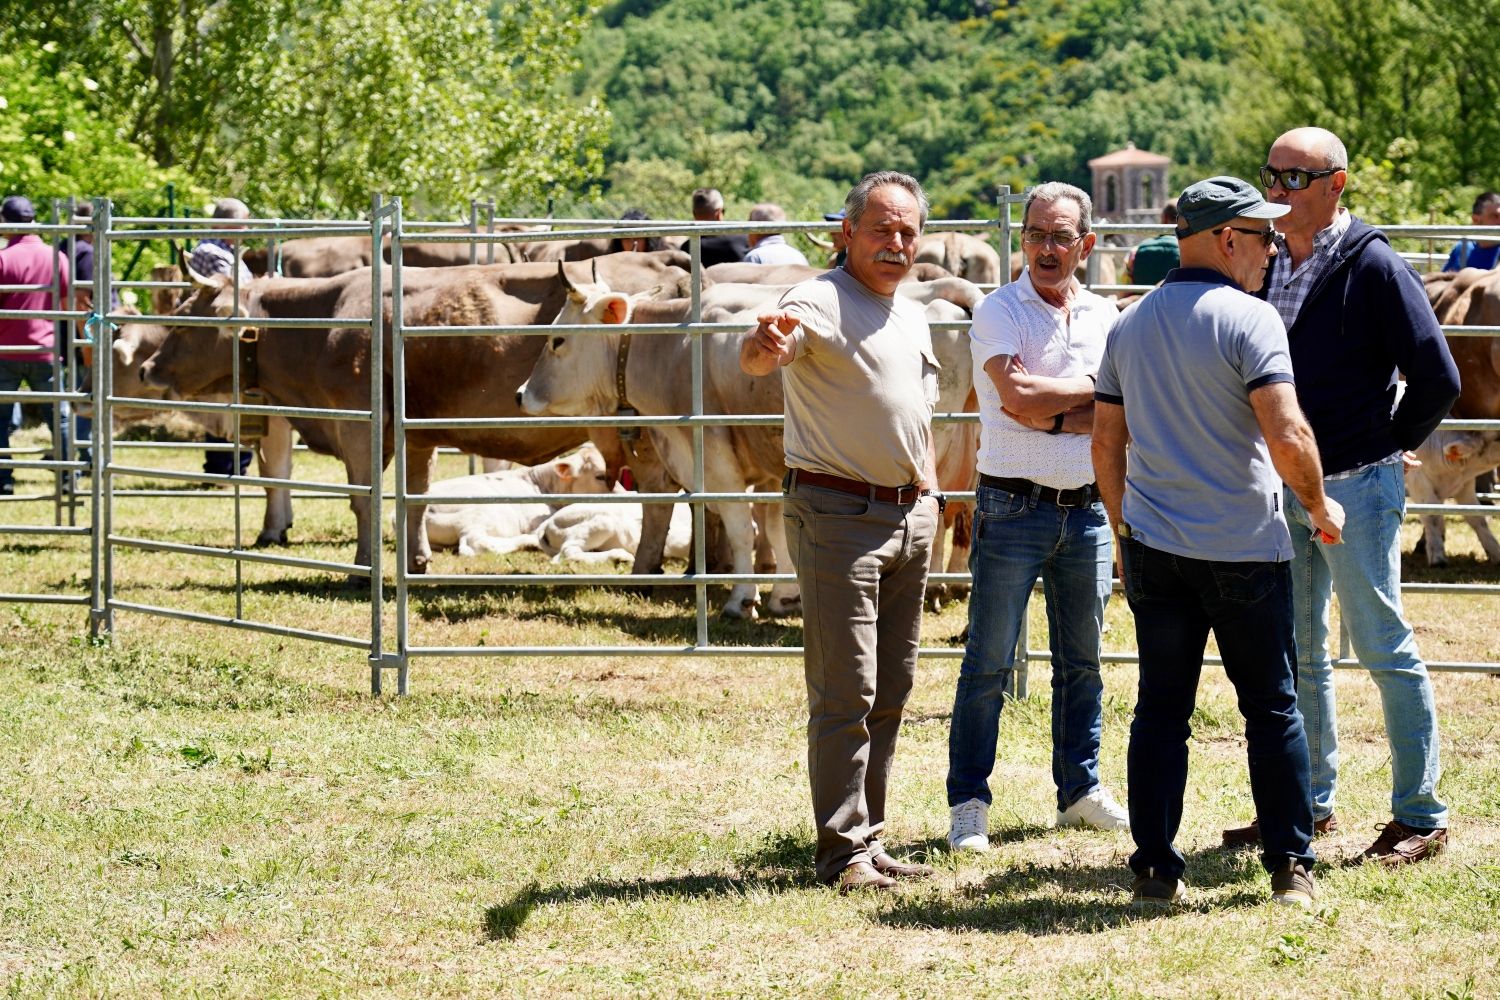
(309,106)
(52,146)
(1404,84)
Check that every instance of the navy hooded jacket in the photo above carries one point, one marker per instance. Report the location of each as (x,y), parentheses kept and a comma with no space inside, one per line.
(1367,319)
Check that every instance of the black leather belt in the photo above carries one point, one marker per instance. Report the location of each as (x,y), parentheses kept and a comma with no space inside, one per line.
(884,494)
(1083,496)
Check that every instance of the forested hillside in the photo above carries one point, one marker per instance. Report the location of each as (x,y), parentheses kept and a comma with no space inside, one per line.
(793,99)
(310,107)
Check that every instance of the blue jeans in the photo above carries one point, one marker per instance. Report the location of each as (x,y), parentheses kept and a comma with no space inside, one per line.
(1365,572)
(1248,606)
(37,376)
(1017,538)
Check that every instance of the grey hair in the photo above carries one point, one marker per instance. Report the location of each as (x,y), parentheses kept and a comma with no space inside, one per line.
(707,200)
(1484,201)
(767,212)
(854,204)
(1054,191)
(231,208)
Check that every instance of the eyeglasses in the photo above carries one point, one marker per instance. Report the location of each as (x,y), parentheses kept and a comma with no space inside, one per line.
(1063,241)
(1266,235)
(1292,178)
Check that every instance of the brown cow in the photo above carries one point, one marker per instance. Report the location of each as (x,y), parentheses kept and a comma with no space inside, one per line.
(314,257)
(1472,298)
(446,377)
(136,342)
(962,256)
(327,256)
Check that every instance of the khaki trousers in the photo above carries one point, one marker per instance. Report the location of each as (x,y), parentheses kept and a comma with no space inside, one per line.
(862,566)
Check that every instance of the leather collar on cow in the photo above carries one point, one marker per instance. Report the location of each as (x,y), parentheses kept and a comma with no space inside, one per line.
(622,399)
(253,426)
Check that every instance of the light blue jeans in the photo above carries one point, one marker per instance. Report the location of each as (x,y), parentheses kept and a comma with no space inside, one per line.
(1017,538)
(1365,573)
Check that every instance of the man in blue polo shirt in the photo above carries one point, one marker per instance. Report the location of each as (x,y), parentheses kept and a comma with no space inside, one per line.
(1201,371)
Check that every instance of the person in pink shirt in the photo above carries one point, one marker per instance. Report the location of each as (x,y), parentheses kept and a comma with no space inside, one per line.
(26,260)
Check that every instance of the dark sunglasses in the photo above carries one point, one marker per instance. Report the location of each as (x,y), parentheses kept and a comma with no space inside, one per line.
(1266,235)
(1293,178)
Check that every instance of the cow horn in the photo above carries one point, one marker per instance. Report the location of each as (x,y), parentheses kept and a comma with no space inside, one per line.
(595,264)
(203,281)
(562,275)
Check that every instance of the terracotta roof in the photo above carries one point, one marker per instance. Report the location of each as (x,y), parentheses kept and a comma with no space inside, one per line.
(1129,157)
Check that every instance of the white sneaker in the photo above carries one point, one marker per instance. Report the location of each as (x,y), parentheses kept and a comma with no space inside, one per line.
(969,826)
(1097,810)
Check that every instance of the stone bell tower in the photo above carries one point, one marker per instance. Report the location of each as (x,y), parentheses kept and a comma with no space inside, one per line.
(1130,185)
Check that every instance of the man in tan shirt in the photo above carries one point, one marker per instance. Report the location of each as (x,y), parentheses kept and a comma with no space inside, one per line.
(860,381)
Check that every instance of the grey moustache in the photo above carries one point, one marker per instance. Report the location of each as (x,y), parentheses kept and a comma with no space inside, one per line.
(894,258)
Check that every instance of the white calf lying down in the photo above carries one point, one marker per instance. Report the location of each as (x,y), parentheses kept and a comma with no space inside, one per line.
(1450,461)
(505,527)
(605,532)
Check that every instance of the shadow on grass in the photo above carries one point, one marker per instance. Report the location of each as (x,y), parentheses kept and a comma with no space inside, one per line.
(658,621)
(1460,568)
(1037,899)
(1063,898)
(781,862)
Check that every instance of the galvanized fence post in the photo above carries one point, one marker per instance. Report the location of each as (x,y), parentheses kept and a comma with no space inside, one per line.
(398,427)
(101,333)
(378,214)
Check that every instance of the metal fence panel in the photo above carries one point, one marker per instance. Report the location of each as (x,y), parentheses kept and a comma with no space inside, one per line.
(387,221)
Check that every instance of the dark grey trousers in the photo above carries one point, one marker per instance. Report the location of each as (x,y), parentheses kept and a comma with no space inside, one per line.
(862,567)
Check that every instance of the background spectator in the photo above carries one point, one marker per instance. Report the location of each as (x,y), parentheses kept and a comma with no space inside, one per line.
(1478,253)
(771,248)
(26,260)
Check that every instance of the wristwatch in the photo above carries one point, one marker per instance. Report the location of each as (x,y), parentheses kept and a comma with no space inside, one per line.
(1057,423)
(942,499)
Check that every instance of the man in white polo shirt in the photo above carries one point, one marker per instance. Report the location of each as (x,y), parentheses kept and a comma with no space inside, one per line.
(1036,345)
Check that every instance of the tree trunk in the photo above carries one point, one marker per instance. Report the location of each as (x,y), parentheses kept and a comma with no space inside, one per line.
(163,14)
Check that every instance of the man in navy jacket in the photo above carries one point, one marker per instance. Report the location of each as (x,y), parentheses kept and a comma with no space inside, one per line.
(1357,319)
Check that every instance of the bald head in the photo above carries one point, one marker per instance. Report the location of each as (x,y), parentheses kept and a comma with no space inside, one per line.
(1324,166)
(1318,146)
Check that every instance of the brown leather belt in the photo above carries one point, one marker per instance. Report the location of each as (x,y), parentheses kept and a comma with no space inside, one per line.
(884,494)
(1083,496)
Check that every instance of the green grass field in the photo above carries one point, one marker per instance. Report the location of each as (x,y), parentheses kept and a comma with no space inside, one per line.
(191,811)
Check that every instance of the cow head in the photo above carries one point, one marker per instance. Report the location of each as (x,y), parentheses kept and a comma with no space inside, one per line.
(133,345)
(575,374)
(192,359)
(581,472)
(1460,446)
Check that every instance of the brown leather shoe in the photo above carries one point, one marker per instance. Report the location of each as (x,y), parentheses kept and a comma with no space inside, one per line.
(1399,844)
(862,875)
(889,866)
(1249,836)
